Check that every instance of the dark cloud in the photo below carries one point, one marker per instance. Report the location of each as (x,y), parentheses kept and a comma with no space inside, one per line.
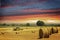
(18,2)
(17,5)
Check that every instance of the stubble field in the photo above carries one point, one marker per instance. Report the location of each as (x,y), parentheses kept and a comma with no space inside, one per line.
(26,33)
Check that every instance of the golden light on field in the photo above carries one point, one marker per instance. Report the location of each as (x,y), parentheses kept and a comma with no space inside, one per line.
(28,33)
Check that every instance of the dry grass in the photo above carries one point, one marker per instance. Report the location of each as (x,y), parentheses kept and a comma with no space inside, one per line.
(28,33)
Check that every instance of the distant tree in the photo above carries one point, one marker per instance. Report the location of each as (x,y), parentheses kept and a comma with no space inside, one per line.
(4,24)
(0,24)
(13,24)
(7,25)
(22,25)
(40,23)
(58,25)
(28,24)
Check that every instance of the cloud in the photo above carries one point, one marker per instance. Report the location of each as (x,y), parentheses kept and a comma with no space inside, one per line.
(18,2)
(18,6)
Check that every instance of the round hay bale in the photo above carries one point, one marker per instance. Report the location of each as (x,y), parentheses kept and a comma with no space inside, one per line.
(16,29)
(40,33)
(54,30)
(49,30)
(1,33)
(58,29)
(43,32)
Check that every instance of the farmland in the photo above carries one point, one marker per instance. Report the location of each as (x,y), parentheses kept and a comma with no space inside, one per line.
(26,33)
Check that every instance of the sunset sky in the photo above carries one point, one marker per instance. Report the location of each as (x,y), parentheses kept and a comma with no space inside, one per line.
(21,10)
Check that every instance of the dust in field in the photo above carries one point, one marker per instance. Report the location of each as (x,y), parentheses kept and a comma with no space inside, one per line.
(28,33)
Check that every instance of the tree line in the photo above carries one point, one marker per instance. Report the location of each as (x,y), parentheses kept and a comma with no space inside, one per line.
(39,23)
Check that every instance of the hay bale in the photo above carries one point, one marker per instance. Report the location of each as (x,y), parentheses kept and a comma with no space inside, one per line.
(58,29)
(43,33)
(49,30)
(2,33)
(54,30)
(40,33)
(16,29)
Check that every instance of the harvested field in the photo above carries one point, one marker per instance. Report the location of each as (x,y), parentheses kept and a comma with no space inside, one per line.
(26,33)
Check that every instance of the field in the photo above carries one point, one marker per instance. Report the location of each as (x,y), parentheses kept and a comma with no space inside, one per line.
(26,33)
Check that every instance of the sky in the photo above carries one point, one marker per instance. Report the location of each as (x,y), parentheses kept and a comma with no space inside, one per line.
(29,10)
(22,7)
(18,19)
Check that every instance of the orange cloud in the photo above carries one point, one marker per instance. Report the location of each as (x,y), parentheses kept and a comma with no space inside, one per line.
(37,10)
(16,19)
(41,16)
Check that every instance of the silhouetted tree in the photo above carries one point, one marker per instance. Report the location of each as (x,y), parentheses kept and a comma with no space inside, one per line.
(28,24)
(40,23)
(13,24)
(4,24)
